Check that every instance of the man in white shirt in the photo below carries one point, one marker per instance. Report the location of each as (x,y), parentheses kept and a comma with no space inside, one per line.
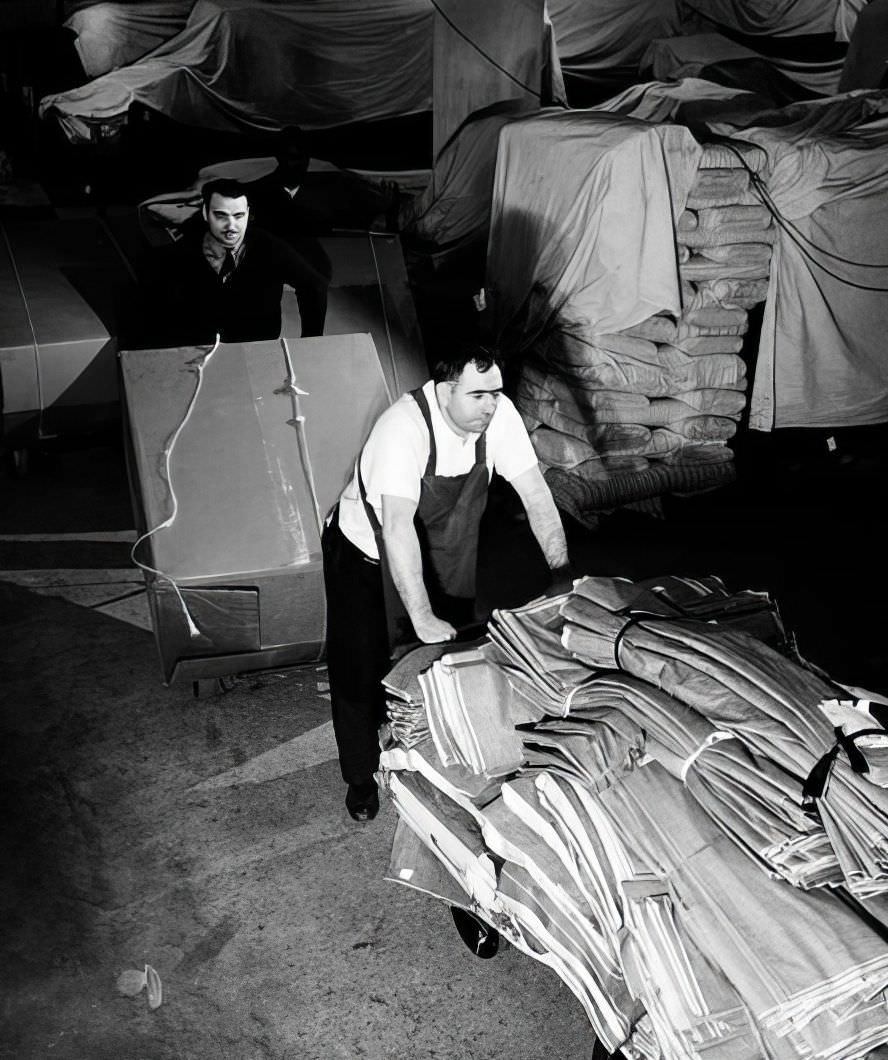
(400,548)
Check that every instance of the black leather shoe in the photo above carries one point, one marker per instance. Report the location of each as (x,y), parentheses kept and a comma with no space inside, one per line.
(362,801)
(482,940)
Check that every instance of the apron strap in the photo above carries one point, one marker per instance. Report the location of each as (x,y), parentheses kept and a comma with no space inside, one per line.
(396,618)
(419,397)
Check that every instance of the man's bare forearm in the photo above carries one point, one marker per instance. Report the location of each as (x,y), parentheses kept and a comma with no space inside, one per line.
(405,565)
(542,515)
(545,523)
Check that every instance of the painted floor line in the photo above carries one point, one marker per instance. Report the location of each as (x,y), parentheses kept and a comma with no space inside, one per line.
(86,535)
(119,594)
(71,577)
(311,748)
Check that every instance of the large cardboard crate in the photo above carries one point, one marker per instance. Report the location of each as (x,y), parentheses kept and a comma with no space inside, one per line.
(231,472)
(61,283)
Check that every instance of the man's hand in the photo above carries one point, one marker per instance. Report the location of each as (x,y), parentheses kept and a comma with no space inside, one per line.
(433,630)
(543,517)
(405,564)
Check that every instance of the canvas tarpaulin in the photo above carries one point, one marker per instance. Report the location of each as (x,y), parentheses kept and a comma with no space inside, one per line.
(582,226)
(797,37)
(821,360)
(239,65)
(608,864)
(780,18)
(110,35)
(821,356)
(455,205)
(602,42)
(865,64)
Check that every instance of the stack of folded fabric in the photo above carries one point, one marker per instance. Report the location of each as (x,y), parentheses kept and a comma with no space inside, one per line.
(405,707)
(617,418)
(615,783)
(766,702)
(469,707)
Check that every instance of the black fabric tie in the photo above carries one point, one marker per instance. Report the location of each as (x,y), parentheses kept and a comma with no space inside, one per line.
(227,266)
(818,779)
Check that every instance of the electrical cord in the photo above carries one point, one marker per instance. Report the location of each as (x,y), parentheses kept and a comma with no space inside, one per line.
(198,364)
(388,333)
(799,238)
(482,52)
(38,378)
(297,421)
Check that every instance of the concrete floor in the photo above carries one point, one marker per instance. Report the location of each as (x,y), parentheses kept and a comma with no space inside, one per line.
(207,837)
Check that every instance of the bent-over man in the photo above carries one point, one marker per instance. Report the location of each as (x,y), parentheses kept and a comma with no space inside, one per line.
(401,545)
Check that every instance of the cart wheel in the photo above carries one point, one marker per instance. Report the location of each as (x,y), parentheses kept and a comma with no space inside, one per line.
(205,687)
(481,939)
(18,462)
(599,1052)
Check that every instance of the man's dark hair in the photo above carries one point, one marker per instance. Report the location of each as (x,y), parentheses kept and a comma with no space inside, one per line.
(294,136)
(293,152)
(449,369)
(224,186)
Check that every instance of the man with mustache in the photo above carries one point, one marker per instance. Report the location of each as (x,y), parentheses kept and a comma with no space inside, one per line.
(400,547)
(228,279)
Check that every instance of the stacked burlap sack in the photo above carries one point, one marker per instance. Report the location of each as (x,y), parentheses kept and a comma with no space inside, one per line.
(623,417)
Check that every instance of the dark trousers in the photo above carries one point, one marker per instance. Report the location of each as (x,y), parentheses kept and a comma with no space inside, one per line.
(357,652)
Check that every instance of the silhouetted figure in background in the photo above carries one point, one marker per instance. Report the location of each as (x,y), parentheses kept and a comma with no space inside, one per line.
(293,202)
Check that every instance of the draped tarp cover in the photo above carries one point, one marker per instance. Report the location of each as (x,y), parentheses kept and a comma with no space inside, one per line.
(603,41)
(240,65)
(110,35)
(456,203)
(778,18)
(865,62)
(582,224)
(821,360)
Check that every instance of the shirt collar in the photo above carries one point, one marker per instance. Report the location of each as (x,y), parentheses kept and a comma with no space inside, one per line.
(214,252)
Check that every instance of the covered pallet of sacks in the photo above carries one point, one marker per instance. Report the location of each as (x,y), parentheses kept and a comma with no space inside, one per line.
(621,414)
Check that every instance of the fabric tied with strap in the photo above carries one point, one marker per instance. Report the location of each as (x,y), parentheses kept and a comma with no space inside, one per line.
(632,619)
(818,779)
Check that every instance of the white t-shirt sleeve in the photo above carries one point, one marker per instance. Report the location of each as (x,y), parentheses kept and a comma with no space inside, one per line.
(395,457)
(511,448)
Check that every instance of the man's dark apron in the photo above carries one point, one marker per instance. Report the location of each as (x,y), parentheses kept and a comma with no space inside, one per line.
(448,520)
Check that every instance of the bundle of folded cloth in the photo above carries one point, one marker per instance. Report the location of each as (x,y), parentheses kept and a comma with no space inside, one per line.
(618,781)
(649,410)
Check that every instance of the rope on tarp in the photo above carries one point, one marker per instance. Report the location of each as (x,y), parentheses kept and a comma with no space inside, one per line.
(198,364)
(297,421)
(798,237)
(388,333)
(35,344)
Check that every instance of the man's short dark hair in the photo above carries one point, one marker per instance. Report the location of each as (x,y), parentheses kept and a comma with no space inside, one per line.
(224,186)
(294,136)
(449,369)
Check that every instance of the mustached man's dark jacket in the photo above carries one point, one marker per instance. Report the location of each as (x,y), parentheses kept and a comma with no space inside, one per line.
(187,304)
